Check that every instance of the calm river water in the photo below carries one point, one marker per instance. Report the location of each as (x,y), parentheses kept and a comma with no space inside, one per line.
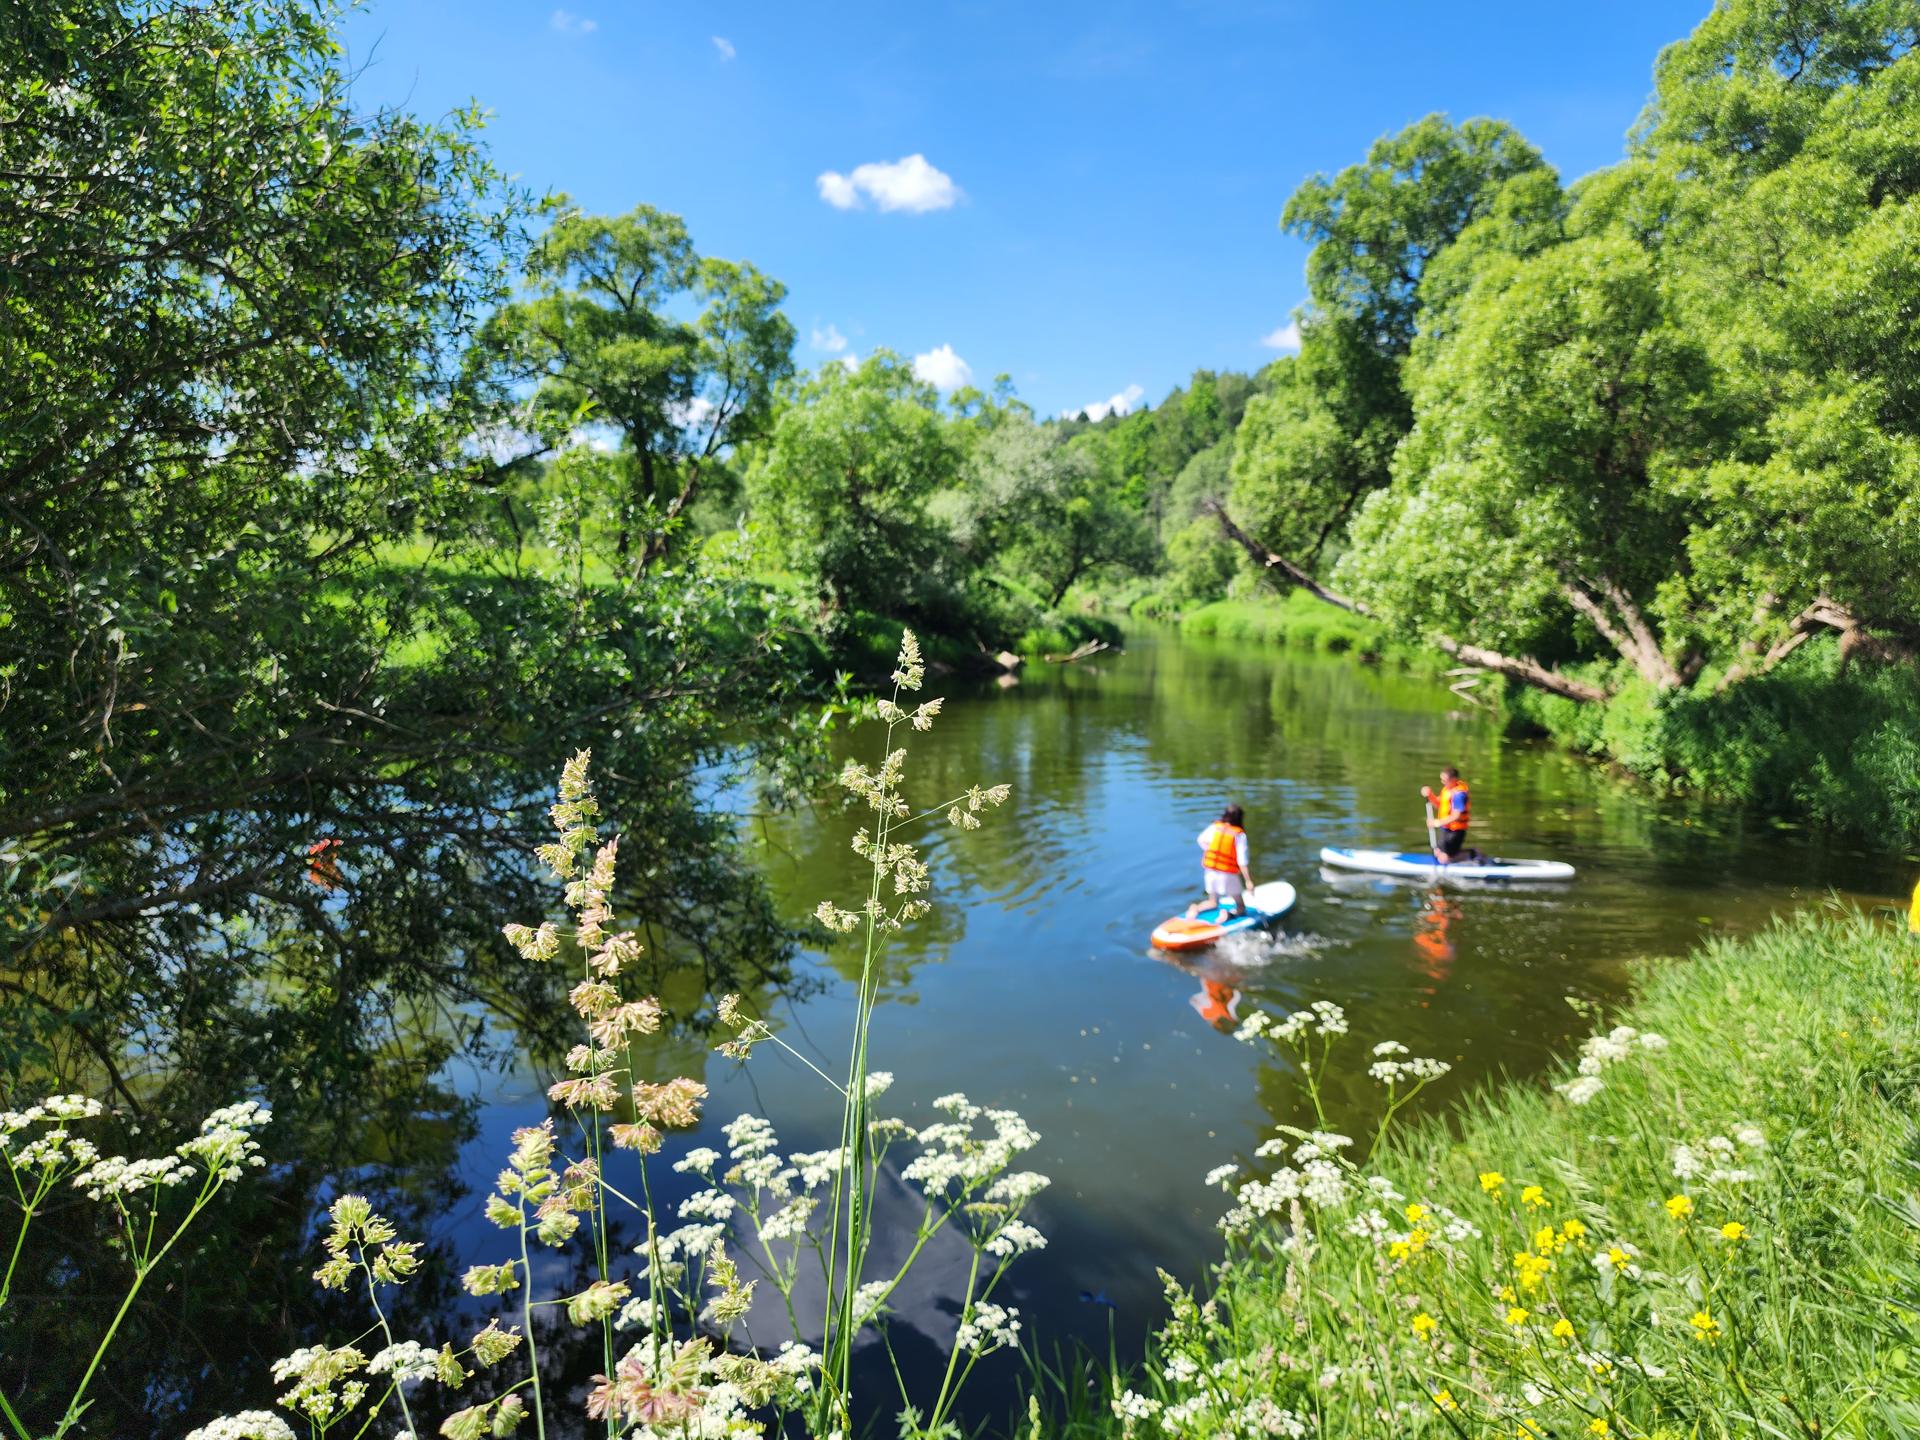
(1033,986)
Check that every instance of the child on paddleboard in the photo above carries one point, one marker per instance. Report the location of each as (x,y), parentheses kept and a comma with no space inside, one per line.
(1223,862)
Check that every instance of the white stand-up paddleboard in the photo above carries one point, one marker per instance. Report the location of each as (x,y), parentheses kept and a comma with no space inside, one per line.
(1420,864)
(1265,904)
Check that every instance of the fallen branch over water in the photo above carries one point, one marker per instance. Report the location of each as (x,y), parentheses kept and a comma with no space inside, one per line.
(1520,667)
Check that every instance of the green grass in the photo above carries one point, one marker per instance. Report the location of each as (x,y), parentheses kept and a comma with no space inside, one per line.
(1805,1326)
(1296,620)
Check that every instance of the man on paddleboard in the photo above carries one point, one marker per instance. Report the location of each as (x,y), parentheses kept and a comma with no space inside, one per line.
(1223,862)
(1450,811)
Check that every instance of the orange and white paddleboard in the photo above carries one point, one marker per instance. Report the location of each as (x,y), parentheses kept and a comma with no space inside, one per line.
(1265,904)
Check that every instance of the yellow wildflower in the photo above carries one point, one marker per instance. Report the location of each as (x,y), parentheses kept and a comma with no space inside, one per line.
(1534,1196)
(1424,1325)
(1505,1292)
(1572,1230)
(1415,1213)
(1563,1329)
(1491,1181)
(1529,1431)
(1618,1258)
(1598,1427)
(1547,1240)
(1517,1316)
(1533,1269)
(1444,1399)
(1733,1230)
(1680,1207)
(1705,1327)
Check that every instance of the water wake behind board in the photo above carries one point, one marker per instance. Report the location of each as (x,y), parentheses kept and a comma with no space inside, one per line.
(1265,904)
(1421,864)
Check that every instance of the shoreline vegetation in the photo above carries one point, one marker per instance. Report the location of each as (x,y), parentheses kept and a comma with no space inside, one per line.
(1706,1226)
(1816,742)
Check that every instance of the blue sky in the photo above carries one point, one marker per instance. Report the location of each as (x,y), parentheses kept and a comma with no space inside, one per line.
(1094,206)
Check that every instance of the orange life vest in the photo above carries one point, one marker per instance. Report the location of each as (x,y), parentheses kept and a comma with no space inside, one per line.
(1443,812)
(1223,847)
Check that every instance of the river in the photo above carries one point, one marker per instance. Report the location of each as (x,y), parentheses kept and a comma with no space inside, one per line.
(1032,985)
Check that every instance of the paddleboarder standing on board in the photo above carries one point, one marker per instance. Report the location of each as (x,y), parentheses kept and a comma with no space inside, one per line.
(1449,811)
(1223,860)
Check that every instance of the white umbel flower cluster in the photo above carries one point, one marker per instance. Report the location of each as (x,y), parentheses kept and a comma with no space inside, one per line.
(988,1327)
(247,1425)
(1597,1052)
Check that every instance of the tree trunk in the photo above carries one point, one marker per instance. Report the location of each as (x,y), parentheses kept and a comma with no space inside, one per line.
(1519,667)
(1636,642)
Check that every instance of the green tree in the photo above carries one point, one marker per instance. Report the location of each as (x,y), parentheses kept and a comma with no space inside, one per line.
(624,326)
(1538,474)
(1324,433)
(840,488)
(1046,510)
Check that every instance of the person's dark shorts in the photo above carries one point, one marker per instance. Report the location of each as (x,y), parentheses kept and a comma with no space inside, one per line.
(1449,842)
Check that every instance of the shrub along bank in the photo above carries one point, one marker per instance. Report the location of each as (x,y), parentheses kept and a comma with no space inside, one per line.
(1814,742)
(1709,1227)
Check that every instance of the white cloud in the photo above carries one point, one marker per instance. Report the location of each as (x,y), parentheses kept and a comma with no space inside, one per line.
(1287,337)
(725,47)
(838,191)
(850,360)
(909,184)
(829,339)
(568,23)
(1121,404)
(943,369)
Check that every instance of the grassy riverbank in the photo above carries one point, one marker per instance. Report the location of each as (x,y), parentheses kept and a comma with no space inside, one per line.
(1295,620)
(1714,1232)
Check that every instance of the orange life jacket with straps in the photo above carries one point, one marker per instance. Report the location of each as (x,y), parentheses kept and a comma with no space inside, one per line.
(1223,848)
(1444,815)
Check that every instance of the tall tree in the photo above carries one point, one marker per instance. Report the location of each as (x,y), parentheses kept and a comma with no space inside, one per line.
(625,327)
(1324,434)
(841,485)
(1047,510)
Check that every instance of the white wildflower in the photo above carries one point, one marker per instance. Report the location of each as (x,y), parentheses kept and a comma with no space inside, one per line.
(789,1222)
(1127,1405)
(988,1327)
(1016,1237)
(749,1135)
(1582,1090)
(247,1425)
(1221,1174)
(407,1360)
(707,1205)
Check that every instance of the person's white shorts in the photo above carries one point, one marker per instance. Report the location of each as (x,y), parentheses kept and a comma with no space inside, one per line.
(1224,886)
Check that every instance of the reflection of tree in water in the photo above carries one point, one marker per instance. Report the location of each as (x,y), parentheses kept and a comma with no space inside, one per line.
(346,1031)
